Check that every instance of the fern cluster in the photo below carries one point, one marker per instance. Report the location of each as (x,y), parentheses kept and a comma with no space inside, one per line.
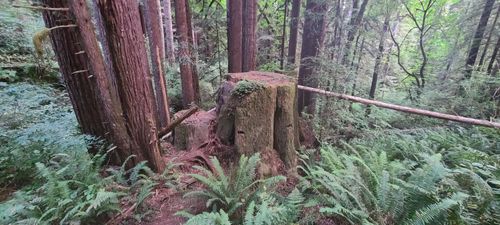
(401,182)
(242,198)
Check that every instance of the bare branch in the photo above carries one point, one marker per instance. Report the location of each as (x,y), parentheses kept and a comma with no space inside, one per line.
(40,8)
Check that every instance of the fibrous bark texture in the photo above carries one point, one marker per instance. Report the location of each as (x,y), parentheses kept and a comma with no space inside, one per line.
(189,78)
(169,32)
(312,40)
(241,34)
(294,31)
(81,86)
(259,115)
(154,32)
(130,64)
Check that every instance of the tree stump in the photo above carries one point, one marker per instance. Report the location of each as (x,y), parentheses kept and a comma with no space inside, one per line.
(257,112)
(193,131)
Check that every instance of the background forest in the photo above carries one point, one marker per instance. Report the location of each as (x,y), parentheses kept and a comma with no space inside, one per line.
(364,165)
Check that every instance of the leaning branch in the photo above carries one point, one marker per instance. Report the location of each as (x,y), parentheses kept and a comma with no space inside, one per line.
(438,115)
(177,121)
(40,8)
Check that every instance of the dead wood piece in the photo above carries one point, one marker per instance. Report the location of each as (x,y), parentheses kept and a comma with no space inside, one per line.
(406,109)
(177,121)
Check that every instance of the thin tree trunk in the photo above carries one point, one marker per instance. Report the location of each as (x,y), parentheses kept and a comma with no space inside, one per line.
(81,86)
(313,35)
(294,31)
(249,35)
(353,29)
(154,32)
(488,41)
(494,56)
(283,34)
(380,55)
(169,32)
(188,77)
(478,37)
(234,35)
(127,47)
(378,60)
(193,50)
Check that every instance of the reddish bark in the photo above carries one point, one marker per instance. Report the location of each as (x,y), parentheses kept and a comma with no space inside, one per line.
(189,79)
(109,100)
(129,58)
(249,45)
(81,86)
(234,35)
(154,32)
(312,40)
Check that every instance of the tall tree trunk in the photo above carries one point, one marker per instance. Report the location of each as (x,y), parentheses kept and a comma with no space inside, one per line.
(80,85)
(488,41)
(169,32)
(478,37)
(189,79)
(234,35)
(312,40)
(154,32)
(353,29)
(193,40)
(294,31)
(494,56)
(129,57)
(249,35)
(283,35)
(95,46)
(378,60)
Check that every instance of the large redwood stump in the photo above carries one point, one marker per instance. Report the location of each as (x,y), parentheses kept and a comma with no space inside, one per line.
(257,112)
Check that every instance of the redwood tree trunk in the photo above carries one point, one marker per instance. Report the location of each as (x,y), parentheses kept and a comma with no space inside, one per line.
(249,35)
(103,74)
(234,35)
(81,87)
(128,53)
(241,35)
(294,31)
(312,40)
(154,32)
(169,32)
(189,79)
(478,37)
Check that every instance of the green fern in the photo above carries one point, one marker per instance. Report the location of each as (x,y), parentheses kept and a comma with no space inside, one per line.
(212,218)
(232,193)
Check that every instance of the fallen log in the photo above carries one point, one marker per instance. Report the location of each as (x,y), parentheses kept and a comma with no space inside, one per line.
(406,109)
(177,121)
